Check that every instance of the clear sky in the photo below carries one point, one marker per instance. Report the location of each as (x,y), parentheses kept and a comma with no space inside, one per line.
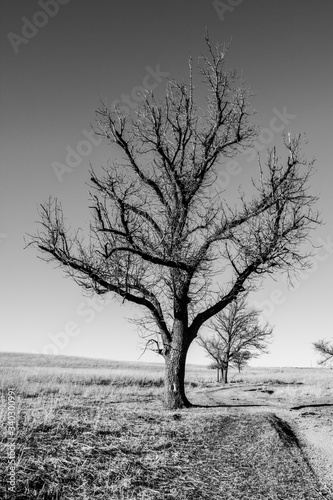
(58,58)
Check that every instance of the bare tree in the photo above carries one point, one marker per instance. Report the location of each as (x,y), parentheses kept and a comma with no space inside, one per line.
(160,236)
(325,349)
(237,329)
(215,351)
(241,359)
(215,366)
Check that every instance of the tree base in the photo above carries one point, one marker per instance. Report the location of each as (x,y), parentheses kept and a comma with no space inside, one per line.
(177,406)
(176,401)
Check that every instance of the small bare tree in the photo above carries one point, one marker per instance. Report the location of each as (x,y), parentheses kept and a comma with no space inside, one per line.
(219,371)
(214,349)
(238,336)
(325,349)
(241,359)
(161,237)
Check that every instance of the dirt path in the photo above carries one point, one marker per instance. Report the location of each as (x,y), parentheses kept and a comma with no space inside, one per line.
(311,422)
(315,428)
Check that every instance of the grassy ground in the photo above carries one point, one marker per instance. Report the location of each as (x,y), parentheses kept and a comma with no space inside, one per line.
(36,375)
(90,429)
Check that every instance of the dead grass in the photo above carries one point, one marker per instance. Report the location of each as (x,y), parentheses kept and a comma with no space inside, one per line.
(89,450)
(35,375)
(286,376)
(292,384)
(80,435)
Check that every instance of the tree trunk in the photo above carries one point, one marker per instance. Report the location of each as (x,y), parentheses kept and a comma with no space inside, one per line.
(217,374)
(175,360)
(226,374)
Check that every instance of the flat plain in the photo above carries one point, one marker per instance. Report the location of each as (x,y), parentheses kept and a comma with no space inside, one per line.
(97,429)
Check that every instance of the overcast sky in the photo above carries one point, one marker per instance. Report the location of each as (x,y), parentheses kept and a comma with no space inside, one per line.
(59,58)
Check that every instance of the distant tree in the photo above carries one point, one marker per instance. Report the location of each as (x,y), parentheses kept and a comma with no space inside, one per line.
(241,359)
(325,349)
(214,350)
(214,366)
(238,336)
(161,236)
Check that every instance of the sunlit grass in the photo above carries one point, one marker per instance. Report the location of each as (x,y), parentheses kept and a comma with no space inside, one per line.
(35,375)
(285,375)
(291,384)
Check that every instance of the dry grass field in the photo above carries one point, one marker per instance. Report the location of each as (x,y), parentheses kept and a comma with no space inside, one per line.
(96,429)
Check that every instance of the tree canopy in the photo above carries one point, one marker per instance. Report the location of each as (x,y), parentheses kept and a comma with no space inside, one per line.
(325,349)
(238,335)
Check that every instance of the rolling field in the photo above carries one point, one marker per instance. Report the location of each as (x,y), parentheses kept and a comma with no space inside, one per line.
(91,429)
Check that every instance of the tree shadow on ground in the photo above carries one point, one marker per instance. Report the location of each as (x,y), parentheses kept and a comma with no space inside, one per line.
(193,405)
(315,405)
